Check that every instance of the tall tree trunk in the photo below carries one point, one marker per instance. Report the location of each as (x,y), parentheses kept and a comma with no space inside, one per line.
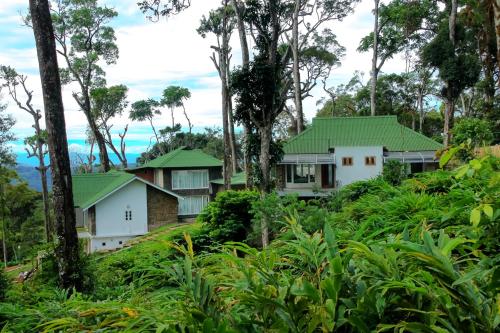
(42,169)
(496,8)
(448,114)
(374,73)
(4,229)
(265,134)
(188,120)
(46,204)
(223,71)
(450,100)
(68,256)
(245,57)
(421,111)
(232,136)
(296,67)
(99,138)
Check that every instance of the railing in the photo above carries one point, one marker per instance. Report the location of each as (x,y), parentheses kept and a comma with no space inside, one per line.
(308,159)
(412,157)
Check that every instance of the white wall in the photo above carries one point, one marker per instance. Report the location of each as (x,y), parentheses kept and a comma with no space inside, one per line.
(110,212)
(107,243)
(358,170)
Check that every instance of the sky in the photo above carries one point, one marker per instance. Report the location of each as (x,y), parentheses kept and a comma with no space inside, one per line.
(154,55)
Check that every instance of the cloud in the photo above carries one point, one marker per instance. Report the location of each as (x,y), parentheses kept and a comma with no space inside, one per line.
(155,55)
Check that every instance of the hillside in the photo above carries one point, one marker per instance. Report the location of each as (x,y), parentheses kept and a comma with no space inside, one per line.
(29,174)
(419,257)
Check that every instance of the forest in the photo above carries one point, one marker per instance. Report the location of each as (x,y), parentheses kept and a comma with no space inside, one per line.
(400,252)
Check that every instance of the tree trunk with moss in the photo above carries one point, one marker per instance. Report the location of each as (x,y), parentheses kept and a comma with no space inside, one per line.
(67,252)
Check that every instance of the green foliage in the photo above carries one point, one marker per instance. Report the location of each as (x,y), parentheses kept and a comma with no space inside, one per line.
(108,102)
(229,216)
(394,172)
(478,131)
(144,110)
(7,157)
(458,64)
(81,29)
(210,141)
(174,96)
(420,257)
(24,222)
(4,285)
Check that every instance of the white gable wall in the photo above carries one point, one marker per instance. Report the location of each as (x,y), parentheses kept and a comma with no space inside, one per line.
(358,170)
(110,212)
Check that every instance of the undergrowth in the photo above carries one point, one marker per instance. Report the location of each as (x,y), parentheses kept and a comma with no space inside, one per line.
(419,257)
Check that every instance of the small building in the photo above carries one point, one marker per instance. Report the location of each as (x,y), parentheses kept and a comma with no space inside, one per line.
(335,152)
(114,207)
(238,182)
(185,172)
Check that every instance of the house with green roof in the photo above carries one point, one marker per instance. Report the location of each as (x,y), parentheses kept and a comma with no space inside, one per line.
(114,207)
(238,182)
(187,173)
(334,152)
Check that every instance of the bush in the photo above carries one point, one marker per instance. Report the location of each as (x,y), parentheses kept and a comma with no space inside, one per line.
(228,217)
(394,172)
(477,130)
(4,285)
(48,274)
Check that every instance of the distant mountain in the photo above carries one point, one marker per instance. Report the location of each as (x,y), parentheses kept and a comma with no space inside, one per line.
(31,175)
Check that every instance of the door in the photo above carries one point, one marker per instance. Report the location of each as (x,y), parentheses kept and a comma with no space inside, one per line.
(328,176)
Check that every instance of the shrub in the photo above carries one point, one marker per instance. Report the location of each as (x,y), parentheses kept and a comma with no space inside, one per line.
(4,285)
(477,130)
(229,216)
(47,273)
(394,172)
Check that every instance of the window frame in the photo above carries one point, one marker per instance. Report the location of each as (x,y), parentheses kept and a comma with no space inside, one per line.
(204,204)
(347,161)
(370,160)
(187,172)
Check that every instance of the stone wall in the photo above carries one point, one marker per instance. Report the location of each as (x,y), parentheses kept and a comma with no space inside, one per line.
(162,208)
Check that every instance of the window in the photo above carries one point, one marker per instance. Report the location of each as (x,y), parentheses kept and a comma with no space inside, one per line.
(370,160)
(300,173)
(189,179)
(192,205)
(128,215)
(347,161)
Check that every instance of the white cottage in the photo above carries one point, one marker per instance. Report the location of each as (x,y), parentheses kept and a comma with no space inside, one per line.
(335,152)
(114,207)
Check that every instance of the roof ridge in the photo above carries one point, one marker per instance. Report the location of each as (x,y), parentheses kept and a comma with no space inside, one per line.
(168,156)
(356,117)
(105,174)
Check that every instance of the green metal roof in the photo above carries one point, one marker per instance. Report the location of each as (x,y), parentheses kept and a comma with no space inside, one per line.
(92,187)
(184,158)
(238,179)
(327,133)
